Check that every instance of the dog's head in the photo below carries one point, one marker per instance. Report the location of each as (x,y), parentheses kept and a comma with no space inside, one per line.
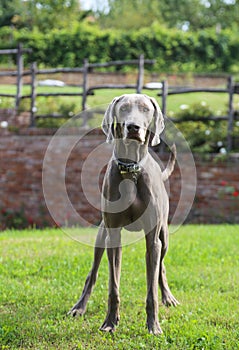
(132,117)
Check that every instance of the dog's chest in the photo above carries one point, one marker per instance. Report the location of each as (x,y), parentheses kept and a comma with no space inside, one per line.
(130,202)
(134,195)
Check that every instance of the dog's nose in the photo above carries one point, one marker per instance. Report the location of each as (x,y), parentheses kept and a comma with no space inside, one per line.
(132,128)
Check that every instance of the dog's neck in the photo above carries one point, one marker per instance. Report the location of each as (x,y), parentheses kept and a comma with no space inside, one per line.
(130,158)
(130,152)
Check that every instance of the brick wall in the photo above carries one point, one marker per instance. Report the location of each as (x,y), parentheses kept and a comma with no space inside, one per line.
(21,165)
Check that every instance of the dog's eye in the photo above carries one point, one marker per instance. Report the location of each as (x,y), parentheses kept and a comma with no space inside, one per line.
(145,109)
(123,108)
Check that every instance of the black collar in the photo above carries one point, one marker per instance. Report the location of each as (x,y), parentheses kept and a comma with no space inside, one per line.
(132,168)
(124,167)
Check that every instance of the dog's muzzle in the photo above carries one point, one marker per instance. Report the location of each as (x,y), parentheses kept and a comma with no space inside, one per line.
(134,132)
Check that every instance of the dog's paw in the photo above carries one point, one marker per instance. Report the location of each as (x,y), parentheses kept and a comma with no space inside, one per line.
(169,300)
(76,311)
(109,324)
(154,328)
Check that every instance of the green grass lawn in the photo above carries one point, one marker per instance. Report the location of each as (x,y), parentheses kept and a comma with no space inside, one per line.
(43,272)
(217,101)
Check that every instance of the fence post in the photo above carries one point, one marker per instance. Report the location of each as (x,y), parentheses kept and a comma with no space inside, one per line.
(19,75)
(164,96)
(33,93)
(164,108)
(85,88)
(140,80)
(230,114)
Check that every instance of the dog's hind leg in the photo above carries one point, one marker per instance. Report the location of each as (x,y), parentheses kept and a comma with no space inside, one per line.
(167,297)
(80,307)
(153,252)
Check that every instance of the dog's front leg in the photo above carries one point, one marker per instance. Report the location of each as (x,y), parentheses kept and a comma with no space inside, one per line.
(114,253)
(80,307)
(153,252)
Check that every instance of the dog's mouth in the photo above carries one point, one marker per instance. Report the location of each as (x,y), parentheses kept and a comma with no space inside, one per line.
(134,136)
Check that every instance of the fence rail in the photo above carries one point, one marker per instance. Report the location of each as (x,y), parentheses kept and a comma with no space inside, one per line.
(163,89)
(230,90)
(85,70)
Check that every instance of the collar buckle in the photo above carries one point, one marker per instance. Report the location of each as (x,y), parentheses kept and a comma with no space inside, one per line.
(125,168)
(129,168)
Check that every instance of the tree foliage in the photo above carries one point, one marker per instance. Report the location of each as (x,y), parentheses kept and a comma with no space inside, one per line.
(10,12)
(185,35)
(185,14)
(122,14)
(42,14)
(174,50)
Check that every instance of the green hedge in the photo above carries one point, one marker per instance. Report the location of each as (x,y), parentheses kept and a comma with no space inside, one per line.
(174,50)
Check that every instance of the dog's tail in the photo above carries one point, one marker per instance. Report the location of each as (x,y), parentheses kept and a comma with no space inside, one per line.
(171,162)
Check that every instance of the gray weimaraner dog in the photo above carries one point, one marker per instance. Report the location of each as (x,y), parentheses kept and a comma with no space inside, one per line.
(134,197)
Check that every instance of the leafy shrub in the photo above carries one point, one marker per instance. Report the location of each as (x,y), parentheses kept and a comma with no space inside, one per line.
(64,110)
(202,135)
(14,219)
(19,219)
(174,50)
(196,111)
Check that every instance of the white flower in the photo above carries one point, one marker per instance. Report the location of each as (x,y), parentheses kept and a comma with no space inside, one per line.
(237,123)
(223,150)
(182,107)
(4,124)
(203,103)
(207,132)
(219,143)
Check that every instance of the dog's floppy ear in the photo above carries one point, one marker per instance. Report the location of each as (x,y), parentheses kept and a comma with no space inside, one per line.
(108,121)
(158,123)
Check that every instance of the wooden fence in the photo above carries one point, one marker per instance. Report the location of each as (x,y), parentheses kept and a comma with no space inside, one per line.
(231,89)
(86,90)
(19,52)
